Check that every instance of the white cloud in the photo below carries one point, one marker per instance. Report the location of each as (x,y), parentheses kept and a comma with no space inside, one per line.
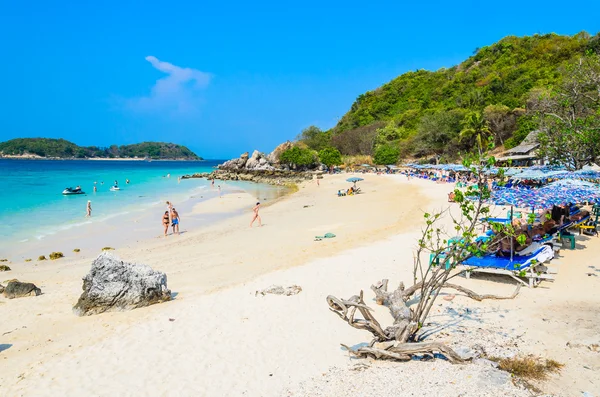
(176,93)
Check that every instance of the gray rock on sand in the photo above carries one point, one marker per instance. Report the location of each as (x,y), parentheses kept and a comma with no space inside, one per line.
(1,288)
(17,289)
(279,290)
(114,285)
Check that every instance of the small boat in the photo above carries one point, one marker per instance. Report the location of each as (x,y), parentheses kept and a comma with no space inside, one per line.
(70,191)
(115,188)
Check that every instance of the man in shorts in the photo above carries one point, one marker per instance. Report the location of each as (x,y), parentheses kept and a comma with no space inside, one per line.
(175,221)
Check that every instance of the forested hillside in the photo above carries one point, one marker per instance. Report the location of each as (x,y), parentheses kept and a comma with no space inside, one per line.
(443,113)
(61,148)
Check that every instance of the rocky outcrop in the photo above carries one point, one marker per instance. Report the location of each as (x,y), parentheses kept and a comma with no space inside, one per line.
(274,156)
(272,177)
(115,285)
(17,289)
(259,168)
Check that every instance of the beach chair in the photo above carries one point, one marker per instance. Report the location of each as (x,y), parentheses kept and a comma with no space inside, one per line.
(519,268)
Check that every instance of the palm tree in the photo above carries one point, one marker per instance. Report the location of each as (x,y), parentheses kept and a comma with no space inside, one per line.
(475,126)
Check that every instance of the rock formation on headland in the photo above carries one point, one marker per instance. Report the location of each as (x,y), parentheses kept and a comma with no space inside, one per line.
(114,285)
(260,168)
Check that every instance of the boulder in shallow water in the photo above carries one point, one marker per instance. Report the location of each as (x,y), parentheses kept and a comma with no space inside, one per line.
(114,285)
(17,289)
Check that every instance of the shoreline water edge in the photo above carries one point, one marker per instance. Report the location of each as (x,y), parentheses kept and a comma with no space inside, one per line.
(51,223)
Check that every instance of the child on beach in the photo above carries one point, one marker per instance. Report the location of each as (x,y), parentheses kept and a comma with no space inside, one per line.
(165,222)
(169,209)
(256,216)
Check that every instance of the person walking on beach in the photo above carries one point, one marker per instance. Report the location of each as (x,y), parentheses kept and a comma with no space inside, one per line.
(256,215)
(89,209)
(219,187)
(175,221)
(166,222)
(169,210)
(212,183)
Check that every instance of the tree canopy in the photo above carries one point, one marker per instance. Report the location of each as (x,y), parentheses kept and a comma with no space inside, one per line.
(569,115)
(418,111)
(330,156)
(386,154)
(61,148)
(298,157)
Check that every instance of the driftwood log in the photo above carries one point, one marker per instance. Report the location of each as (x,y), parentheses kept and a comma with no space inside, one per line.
(398,341)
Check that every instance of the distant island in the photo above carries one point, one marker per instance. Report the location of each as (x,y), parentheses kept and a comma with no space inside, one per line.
(49,148)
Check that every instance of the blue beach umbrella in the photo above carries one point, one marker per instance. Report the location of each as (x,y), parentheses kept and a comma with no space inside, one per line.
(354,179)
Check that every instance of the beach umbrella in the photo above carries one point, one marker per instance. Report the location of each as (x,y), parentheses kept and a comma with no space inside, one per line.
(573,183)
(535,174)
(354,179)
(512,171)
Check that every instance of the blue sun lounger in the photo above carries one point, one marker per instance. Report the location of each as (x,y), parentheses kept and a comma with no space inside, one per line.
(519,267)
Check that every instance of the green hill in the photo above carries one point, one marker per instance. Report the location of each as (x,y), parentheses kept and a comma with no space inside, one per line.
(421,113)
(63,149)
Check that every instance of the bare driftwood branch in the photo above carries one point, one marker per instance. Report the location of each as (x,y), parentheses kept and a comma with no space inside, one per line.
(395,342)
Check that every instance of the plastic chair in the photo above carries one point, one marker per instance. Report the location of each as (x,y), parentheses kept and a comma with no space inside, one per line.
(569,237)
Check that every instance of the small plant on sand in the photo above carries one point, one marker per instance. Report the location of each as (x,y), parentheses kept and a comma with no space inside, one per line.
(28,260)
(76,250)
(56,255)
(435,263)
(107,249)
(3,260)
(4,268)
(42,258)
(529,367)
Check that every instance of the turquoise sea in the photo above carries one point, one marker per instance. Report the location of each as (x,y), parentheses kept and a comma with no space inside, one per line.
(33,208)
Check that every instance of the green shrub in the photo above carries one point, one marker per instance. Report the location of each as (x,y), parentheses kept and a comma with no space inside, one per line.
(386,154)
(297,156)
(330,156)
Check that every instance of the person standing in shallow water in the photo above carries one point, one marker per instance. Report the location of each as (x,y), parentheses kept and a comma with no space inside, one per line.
(89,209)
(256,215)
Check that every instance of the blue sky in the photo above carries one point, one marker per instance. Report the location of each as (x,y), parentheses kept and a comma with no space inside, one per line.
(228,77)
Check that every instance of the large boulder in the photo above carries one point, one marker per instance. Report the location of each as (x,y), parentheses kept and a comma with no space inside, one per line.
(253,161)
(273,157)
(17,289)
(114,285)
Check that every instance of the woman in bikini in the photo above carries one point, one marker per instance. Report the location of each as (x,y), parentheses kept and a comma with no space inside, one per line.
(166,222)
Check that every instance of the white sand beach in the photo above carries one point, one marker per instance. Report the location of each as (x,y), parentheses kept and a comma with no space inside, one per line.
(216,338)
